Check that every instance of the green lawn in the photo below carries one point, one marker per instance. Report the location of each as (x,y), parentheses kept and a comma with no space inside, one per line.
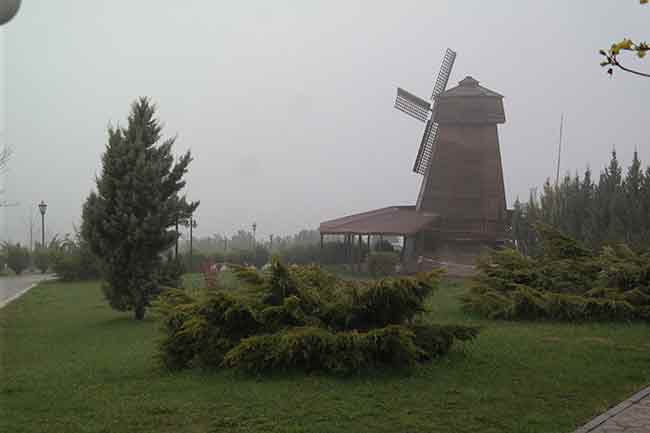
(70,364)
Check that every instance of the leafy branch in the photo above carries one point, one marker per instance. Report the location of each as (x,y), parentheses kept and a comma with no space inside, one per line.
(611,60)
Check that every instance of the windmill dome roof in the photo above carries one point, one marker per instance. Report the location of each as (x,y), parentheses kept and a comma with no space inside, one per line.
(469,86)
(469,103)
(468,81)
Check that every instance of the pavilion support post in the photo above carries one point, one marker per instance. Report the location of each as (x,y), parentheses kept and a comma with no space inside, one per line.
(401,253)
(346,248)
(321,241)
(360,258)
(369,248)
(350,252)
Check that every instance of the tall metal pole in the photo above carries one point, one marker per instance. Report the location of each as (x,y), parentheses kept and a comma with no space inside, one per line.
(559,152)
(42,207)
(191,224)
(42,230)
(31,229)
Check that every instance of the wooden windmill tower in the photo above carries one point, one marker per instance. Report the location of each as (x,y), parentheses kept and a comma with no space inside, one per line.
(461,206)
(460,160)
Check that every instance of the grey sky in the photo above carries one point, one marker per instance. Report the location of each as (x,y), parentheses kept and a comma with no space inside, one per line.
(287,106)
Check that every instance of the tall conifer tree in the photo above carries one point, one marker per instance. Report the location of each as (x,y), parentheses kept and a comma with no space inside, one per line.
(128,222)
(613,210)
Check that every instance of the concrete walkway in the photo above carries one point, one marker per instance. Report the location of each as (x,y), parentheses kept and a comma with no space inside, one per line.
(630,416)
(12,288)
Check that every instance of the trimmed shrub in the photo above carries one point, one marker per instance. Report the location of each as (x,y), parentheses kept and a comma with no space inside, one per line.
(436,340)
(381,264)
(303,348)
(201,331)
(567,282)
(72,260)
(392,301)
(304,318)
(312,348)
(171,272)
(17,257)
(42,259)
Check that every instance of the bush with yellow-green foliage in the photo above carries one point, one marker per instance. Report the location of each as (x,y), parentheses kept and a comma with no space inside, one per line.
(567,282)
(382,263)
(301,317)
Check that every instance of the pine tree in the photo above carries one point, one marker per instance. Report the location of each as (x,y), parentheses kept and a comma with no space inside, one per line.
(644,193)
(633,213)
(128,222)
(614,210)
(589,232)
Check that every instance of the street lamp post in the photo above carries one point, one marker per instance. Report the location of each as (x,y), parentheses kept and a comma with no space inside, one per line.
(42,207)
(254,247)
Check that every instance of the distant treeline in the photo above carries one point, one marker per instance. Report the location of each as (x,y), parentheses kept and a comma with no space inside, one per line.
(615,208)
(301,248)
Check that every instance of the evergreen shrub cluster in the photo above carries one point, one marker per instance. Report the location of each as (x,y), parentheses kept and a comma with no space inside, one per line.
(72,260)
(16,256)
(566,281)
(304,318)
(382,263)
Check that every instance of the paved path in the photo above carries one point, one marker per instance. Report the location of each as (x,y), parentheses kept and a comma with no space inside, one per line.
(631,416)
(13,287)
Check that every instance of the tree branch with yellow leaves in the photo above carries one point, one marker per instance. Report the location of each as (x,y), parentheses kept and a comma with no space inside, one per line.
(611,56)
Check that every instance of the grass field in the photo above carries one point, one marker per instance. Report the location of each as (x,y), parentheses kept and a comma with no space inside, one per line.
(70,364)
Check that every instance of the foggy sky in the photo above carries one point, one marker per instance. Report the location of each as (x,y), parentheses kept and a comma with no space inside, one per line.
(287,106)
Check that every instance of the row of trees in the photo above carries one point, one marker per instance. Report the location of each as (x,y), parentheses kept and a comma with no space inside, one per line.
(244,240)
(295,253)
(303,247)
(612,209)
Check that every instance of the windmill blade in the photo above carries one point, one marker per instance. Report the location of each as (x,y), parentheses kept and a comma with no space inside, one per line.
(412,105)
(427,148)
(430,136)
(444,74)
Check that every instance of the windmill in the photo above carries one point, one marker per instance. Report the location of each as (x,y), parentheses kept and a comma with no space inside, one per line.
(461,206)
(459,155)
(422,110)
